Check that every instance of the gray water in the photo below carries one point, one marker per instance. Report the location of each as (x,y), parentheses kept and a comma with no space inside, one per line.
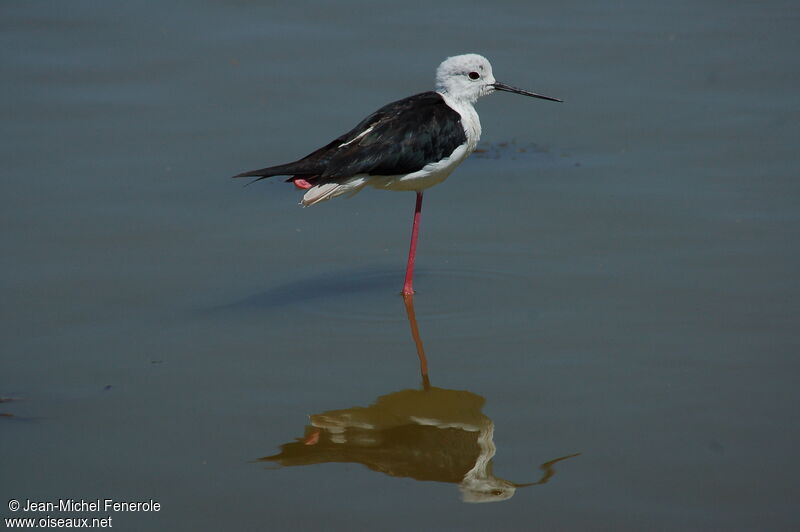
(614,277)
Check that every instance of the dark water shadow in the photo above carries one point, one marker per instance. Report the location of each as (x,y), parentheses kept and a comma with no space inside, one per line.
(427,434)
(360,294)
(325,286)
(512,150)
(6,409)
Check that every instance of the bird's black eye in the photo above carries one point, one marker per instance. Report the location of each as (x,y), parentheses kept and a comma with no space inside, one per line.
(474,75)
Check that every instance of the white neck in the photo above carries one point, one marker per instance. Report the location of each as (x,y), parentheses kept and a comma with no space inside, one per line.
(469,118)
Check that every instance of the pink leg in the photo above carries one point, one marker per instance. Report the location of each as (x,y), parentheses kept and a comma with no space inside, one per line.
(299,182)
(412,253)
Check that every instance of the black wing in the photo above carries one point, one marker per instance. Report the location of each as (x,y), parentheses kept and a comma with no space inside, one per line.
(399,138)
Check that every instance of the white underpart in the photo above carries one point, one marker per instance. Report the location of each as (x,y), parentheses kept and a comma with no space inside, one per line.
(328,191)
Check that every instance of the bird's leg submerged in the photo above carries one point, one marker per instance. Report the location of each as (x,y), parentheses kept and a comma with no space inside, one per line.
(412,320)
(412,252)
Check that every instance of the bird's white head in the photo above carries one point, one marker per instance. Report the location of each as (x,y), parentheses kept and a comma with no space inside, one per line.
(468,77)
(465,77)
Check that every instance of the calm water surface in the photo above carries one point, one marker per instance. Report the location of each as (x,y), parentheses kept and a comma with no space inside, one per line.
(607,295)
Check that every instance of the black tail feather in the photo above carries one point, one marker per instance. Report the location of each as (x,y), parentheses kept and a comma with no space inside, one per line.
(297,168)
(265,172)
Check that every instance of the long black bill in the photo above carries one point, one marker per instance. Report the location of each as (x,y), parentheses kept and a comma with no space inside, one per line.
(508,88)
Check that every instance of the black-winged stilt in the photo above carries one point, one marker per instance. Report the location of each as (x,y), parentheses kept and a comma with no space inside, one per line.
(410,144)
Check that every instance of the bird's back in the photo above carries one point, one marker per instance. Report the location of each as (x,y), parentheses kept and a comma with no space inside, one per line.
(399,138)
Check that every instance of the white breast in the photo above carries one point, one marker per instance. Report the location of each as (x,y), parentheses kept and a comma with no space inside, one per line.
(469,119)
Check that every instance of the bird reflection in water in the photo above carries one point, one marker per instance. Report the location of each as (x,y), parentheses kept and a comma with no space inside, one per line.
(430,434)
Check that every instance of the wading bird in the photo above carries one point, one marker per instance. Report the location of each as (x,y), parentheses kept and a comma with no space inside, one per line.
(411,144)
